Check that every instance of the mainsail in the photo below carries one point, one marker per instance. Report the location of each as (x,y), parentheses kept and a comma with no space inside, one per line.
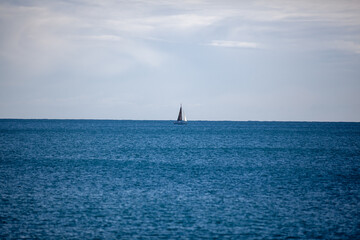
(180,114)
(181,117)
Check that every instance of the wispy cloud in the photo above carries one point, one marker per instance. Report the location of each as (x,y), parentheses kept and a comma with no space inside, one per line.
(233,44)
(104,37)
(353,47)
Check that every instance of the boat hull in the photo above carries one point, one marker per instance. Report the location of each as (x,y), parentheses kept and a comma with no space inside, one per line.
(180,122)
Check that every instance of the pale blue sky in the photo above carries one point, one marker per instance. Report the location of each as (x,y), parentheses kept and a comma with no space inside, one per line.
(223,60)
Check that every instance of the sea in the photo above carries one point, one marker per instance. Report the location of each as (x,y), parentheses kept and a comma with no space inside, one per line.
(122,179)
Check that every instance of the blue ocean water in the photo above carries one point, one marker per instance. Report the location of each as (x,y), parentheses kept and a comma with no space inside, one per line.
(94,179)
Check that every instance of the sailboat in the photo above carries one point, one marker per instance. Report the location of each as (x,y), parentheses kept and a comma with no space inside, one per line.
(181,118)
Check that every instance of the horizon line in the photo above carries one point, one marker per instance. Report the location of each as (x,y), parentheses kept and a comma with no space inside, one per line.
(195,120)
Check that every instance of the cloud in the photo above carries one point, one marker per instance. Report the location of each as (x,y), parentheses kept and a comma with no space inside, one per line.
(233,44)
(353,47)
(181,21)
(103,37)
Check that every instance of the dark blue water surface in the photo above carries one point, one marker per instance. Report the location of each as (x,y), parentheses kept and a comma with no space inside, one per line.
(89,179)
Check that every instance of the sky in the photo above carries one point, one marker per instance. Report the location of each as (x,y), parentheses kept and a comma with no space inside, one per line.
(266,60)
